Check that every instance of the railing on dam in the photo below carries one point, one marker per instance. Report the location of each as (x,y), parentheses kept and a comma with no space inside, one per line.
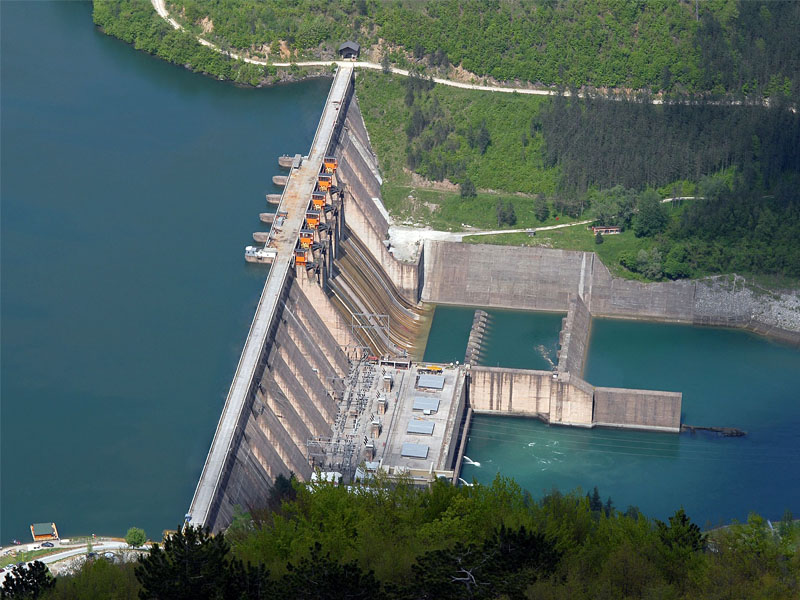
(293,201)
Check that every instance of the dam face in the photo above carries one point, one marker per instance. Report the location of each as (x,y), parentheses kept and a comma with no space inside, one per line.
(335,296)
(326,305)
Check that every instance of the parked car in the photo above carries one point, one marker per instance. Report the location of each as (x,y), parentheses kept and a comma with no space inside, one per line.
(47,544)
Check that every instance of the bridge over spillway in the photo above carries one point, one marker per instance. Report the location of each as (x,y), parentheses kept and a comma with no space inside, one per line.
(246,382)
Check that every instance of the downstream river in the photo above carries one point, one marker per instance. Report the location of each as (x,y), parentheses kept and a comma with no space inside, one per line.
(129,190)
(728,378)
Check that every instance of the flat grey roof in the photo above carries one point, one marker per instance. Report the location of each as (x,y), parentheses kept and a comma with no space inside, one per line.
(431,404)
(414,450)
(434,382)
(43,529)
(420,426)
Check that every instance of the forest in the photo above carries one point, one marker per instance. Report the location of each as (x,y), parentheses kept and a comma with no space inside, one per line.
(390,539)
(735,47)
(138,24)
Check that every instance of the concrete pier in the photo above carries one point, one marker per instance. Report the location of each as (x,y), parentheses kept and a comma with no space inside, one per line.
(574,338)
(475,341)
(566,399)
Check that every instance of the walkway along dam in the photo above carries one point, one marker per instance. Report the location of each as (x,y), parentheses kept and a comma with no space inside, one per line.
(327,385)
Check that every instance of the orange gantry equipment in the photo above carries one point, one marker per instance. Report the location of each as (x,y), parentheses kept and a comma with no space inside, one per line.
(300,257)
(312,219)
(318,200)
(306,238)
(324,181)
(329,164)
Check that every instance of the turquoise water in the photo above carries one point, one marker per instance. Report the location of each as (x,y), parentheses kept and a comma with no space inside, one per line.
(129,190)
(728,378)
(515,339)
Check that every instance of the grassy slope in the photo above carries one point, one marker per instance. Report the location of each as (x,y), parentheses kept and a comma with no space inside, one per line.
(507,170)
(574,238)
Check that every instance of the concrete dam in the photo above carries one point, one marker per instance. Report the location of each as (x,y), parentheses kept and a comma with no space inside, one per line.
(327,384)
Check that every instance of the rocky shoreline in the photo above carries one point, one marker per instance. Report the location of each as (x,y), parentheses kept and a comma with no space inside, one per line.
(733,300)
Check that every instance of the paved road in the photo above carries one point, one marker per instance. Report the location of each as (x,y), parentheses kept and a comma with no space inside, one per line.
(71,551)
(98,547)
(161,9)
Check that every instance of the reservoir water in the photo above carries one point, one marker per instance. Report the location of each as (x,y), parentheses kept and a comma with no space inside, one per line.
(129,190)
(728,378)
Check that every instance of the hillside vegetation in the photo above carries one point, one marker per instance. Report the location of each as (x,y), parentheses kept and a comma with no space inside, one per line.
(740,47)
(522,161)
(399,541)
(137,23)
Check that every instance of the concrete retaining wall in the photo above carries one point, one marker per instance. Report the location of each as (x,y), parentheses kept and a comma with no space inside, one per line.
(501,276)
(637,409)
(574,338)
(613,297)
(565,399)
(545,279)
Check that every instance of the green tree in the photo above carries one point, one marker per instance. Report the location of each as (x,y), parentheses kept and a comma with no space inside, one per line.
(468,189)
(27,581)
(506,215)
(595,503)
(676,263)
(320,577)
(652,216)
(97,580)
(195,564)
(135,537)
(598,238)
(540,208)
(648,263)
